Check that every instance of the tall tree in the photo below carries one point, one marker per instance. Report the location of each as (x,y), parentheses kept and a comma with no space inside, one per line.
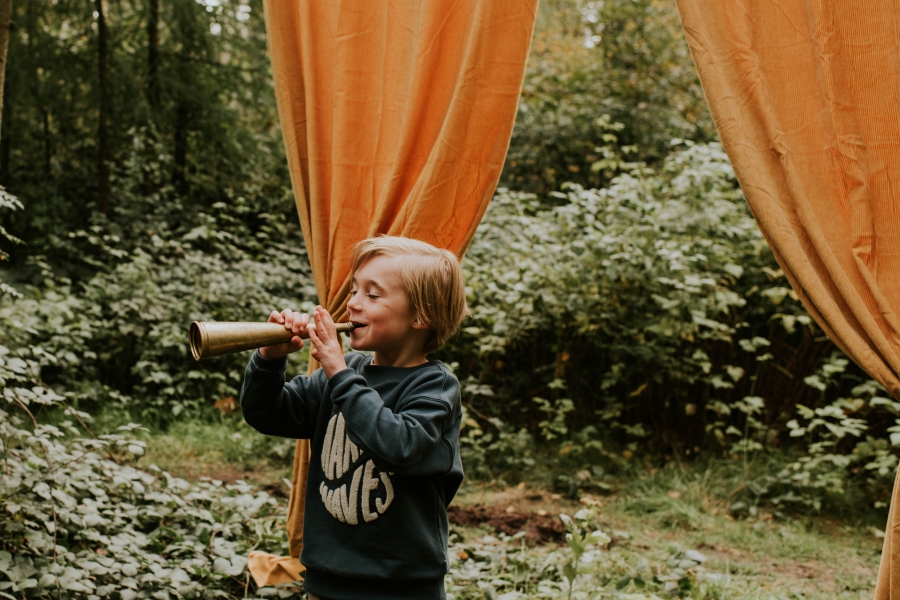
(192,25)
(102,134)
(153,54)
(5,145)
(211,89)
(5,27)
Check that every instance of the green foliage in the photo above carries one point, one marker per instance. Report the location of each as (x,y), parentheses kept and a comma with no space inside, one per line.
(653,305)
(627,301)
(79,519)
(124,339)
(503,568)
(197,128)
(193,446)
(581,542)
(600,71)
(10,203)
(120,336)
(718,557)
(847,456)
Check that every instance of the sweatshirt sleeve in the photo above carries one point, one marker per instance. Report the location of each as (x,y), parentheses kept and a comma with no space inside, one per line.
(274,407)
(398,439)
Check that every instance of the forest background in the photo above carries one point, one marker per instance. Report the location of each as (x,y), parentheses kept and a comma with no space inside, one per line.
(627,313)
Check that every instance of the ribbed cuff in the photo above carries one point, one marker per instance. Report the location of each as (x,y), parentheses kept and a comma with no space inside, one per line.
(340,377)
(264,364)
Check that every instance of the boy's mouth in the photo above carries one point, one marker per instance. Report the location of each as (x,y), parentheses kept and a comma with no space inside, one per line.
(358,325)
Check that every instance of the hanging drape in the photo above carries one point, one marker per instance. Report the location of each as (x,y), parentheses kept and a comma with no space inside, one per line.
(396,117)
(805,95)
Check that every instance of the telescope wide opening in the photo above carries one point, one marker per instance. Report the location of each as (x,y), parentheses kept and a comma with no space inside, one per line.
(196,341)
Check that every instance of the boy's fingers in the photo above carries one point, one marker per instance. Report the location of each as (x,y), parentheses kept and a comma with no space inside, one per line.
(298,322)
(324,320)
(324,336)
(275,317)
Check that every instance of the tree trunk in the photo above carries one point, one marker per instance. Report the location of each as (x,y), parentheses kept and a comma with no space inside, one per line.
(153,55)
(187,30)
(46,121)
(102,135)
(5,26)
(5,142)
(182,120)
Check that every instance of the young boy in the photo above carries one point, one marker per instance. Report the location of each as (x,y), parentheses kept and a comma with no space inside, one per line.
(384,428)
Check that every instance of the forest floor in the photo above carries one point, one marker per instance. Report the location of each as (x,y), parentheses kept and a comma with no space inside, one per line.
(768,556)
(764,558)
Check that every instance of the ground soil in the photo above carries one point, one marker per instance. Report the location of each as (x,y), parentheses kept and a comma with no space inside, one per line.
(539,529)
(511,510)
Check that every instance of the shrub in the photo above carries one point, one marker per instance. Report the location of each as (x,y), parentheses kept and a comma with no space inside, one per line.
(121,334)
(78,518)
(642,305)
(124,336)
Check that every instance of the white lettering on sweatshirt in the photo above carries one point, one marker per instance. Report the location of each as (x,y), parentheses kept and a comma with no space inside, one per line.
(339,456)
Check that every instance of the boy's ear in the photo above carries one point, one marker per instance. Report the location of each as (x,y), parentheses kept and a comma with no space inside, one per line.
(420,323)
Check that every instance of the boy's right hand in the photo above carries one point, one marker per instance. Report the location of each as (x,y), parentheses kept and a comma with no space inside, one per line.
(294,322)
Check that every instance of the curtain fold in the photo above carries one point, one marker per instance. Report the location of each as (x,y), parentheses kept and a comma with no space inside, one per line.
(396,117)
(805,95)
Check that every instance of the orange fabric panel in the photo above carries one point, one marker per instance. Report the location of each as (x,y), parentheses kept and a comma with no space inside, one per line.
(804,94)
(396,117)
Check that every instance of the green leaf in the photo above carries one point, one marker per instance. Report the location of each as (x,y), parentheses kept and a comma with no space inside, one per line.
(570,572)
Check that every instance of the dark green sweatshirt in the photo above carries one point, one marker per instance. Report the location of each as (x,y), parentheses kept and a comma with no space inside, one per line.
(385,464)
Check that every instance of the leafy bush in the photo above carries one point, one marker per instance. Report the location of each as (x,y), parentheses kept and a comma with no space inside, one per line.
(123,335)
(79,519)
(115,318)
(644,304)
(849,449)
(654,305)
(624,61)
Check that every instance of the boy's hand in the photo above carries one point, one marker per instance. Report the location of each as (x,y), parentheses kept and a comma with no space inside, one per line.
(326,343)
(294,322)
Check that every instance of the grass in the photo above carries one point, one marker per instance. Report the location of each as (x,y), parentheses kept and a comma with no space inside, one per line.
(755,558)
(768,551)
(226,449)
(652,516)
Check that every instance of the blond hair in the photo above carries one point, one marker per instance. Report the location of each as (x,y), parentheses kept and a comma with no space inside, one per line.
(432,279)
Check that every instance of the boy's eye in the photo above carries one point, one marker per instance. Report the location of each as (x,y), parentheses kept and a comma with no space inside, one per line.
(372,295)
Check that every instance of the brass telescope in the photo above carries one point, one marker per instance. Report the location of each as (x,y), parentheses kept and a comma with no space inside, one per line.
(214,338)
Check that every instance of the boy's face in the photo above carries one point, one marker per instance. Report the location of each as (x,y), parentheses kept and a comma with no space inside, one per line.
(381,306)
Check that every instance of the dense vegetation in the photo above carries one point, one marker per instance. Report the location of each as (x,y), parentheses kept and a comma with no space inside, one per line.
(626,310)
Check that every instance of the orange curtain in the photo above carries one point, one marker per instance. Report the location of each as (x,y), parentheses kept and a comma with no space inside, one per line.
(804,94)
(396,117)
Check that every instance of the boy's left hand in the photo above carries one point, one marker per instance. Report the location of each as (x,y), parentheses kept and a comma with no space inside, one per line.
(326,343)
